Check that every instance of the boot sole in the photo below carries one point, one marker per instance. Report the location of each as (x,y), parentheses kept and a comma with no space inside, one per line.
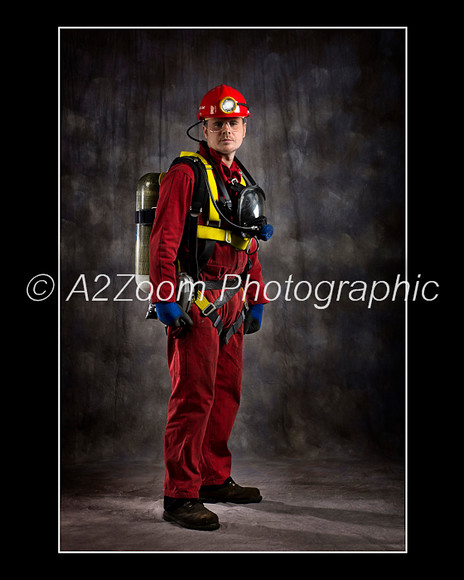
(206,527)
(218,500)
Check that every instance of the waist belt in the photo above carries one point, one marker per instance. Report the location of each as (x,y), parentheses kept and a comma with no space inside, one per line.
(210,309)
(220,235)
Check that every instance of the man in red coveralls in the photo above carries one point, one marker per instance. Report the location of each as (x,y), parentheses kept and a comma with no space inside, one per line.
(206,371)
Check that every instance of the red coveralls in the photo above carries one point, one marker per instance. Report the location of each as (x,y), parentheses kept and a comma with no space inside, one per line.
(206,373)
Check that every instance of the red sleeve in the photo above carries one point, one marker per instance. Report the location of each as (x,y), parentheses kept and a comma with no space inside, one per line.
(254,282)
(173,205)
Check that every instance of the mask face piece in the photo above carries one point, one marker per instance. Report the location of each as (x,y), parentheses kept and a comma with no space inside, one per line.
(251,206)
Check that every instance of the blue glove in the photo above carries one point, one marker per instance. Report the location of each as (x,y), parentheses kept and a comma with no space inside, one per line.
(266,233)
(171,314)
(253,319)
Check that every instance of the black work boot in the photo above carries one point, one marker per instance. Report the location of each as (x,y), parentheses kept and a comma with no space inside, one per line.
(229,491)
(191,514)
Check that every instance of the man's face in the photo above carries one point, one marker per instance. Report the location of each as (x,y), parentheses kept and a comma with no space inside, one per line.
(224,135)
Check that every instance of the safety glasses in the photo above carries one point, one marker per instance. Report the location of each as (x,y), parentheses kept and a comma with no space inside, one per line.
(218,125)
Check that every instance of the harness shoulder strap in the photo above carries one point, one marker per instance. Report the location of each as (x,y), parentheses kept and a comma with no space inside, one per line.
(206,170)
(199,254)
(201,239)
(200,192)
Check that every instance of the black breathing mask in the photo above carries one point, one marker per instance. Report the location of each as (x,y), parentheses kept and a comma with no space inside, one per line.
(246,211)
(249,210)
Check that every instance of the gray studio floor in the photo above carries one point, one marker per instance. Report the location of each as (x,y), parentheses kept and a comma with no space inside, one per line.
(315,505)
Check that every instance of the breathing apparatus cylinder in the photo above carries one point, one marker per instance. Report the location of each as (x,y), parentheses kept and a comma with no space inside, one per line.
(146,198)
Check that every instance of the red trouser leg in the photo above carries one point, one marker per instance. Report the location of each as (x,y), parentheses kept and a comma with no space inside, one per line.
(216,458)
(206,381)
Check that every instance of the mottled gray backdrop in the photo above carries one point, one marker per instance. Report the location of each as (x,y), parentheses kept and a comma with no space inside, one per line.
(326,141)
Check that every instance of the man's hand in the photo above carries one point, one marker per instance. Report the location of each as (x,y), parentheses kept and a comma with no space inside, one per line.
(253,319)
(171,314)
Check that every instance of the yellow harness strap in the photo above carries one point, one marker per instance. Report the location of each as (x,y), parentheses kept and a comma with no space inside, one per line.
(213,214)
(220,235)
(210,232)
(201,301)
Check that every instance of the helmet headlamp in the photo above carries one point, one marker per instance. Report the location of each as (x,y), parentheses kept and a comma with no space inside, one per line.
(228,105)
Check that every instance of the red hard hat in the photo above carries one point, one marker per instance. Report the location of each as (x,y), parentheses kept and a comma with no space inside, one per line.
(223,101)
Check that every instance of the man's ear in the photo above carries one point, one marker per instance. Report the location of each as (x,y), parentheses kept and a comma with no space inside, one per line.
(205,130)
